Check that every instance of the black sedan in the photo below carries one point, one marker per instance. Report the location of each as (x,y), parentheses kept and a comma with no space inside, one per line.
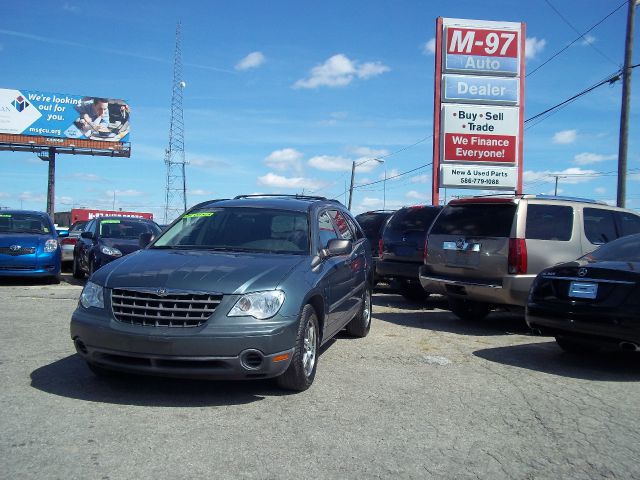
(108,238)
(592,302)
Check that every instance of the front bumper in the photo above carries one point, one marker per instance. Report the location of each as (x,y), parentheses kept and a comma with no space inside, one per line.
(210,351)
(610,326)
(33,265)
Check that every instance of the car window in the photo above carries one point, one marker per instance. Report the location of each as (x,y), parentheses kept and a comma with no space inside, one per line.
(599,225)
(412,219)
(357,232)
(326,230)
(625,249)
(372,223)
(241,229)
(628,223)
(78,227)
(340,221)
(91,227)
(126,229)
(549,222)
(476,220)
(23,223)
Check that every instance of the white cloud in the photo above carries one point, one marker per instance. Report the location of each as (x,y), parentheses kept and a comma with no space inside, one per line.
(591,158)
(429,48)
(339,71)
(417,195)
(124,193)
(86,177)
(588,40)
(4,195)
(28,196)
(394,172)
(369,203)
(198,192)
(571,175)
(421,179)
(285,159)
(600,190)
(278,181)
(330,163)
(253,60)
(533,46)
(68,7)
(565,136)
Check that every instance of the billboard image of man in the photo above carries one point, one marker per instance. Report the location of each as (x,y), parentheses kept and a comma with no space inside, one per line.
(94,116)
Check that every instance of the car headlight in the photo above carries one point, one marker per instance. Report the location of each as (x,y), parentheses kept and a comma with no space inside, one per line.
(51,245)
(92,296)
(112,252)
(260,305)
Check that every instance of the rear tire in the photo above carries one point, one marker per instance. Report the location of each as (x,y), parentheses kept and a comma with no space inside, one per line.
(76,270)
(575,347)
(468,310)
(302,369)
(360,325)
(413,292)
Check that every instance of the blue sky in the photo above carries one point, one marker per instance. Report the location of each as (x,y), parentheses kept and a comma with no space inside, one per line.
(283,96)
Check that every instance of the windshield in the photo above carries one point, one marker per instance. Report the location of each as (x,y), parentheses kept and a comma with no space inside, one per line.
(127,229)
(625,249)
(240,229)
(23,223)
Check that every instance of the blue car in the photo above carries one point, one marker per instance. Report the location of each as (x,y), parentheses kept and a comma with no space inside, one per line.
(29,245)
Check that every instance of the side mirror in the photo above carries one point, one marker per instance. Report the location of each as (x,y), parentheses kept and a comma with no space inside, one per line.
(338,246)
(87,235)
(145,239)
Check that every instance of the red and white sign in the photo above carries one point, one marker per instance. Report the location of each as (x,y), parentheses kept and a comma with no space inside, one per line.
(78,214)
(463,147)
(478,41)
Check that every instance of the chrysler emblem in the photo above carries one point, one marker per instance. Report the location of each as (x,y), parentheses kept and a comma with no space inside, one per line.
(15,248)
(161,292)
(582,272)
(460,243)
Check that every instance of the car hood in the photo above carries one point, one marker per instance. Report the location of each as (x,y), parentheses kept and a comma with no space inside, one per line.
(198,270)
(25,240)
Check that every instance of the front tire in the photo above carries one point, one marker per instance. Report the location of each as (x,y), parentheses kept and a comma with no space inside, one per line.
(360,325)
(76,270)
(468,310)
(302,369)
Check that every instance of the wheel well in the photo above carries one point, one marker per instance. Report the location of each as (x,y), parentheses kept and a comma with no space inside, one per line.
(318,305)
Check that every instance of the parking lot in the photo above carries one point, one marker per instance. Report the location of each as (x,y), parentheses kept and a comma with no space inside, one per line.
(423,396)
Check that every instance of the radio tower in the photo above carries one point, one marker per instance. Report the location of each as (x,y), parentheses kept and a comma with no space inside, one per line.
(176,193)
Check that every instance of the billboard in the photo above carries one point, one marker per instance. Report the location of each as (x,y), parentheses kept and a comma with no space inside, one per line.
(29,117)
(478,105)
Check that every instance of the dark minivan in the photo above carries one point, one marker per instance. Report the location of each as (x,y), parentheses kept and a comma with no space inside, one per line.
(373,224)
(402,248)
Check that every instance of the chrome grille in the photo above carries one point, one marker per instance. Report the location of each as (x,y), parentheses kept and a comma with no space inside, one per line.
(171,309)
(19,251)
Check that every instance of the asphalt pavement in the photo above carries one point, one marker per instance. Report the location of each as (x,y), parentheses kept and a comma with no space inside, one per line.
(423,396)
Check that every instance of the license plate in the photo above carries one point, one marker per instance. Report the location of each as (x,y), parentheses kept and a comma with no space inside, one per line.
(583,290)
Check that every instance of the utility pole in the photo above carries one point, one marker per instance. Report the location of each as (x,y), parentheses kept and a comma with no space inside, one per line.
(176,191)
(555,192)
(624,111)
(353,172)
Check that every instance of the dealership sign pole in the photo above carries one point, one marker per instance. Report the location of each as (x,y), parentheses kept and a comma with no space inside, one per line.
(478,105)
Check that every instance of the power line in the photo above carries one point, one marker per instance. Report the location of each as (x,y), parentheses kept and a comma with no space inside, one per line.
(581,35)
(574,41)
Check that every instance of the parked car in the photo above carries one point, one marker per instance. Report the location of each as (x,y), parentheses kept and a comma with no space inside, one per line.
(402,249)
(243,288)
(68,243)
(28,245)
(372,224)
(484,252)
(592,301)
(106,238)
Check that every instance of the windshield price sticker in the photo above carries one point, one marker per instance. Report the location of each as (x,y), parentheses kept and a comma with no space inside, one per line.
(462,176)
(484,51)
(110,221)
(198,214)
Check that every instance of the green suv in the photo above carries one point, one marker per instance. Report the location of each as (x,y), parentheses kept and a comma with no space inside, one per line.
(243,288)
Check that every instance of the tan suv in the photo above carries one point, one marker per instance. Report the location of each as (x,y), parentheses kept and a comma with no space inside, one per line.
(484,252)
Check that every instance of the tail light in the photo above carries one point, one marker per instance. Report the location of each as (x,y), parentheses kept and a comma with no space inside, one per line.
(380,247)
(517,256)
(68,241)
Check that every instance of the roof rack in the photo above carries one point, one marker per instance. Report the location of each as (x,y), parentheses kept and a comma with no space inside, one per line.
(572,199)
(281,195)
